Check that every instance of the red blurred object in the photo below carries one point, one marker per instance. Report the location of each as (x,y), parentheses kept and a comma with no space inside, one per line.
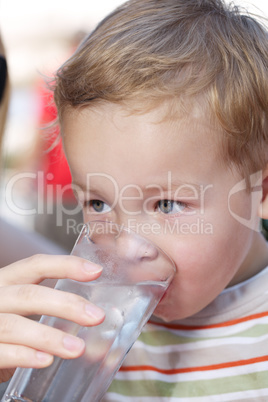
(52,159)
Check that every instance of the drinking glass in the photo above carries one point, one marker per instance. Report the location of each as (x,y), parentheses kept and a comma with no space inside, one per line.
(136,274)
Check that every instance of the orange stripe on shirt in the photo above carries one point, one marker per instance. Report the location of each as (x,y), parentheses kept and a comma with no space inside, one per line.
(219,325)
(200,368)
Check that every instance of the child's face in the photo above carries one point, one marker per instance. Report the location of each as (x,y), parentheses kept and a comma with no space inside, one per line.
(165,179)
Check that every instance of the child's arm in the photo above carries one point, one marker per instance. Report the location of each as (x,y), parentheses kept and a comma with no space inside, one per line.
(26,343)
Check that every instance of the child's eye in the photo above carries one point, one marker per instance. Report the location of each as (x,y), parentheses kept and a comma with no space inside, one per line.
(98,206)
(170,206)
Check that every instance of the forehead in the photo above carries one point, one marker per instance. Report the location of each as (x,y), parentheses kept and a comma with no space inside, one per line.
(142,146)
(170,115)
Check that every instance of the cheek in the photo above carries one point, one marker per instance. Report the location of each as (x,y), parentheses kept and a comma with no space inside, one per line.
(205,266)
(215,257)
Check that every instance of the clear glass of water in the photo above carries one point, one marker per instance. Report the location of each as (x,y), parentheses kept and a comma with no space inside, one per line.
(136,274)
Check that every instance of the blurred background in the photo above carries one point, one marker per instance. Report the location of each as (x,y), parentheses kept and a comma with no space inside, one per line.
(38,37)
(35,182)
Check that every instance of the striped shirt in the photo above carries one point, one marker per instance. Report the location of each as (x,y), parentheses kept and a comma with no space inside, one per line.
(220,354)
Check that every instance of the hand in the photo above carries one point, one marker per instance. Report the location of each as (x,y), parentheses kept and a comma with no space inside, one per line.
(27,343)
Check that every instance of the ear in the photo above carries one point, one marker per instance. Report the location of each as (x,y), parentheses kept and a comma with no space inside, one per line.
(263,208)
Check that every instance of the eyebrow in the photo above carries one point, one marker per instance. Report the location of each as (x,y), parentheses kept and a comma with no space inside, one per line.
(183,188)
(171,183)
(76,187)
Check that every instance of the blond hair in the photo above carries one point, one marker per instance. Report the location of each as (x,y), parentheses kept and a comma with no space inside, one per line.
(151,50)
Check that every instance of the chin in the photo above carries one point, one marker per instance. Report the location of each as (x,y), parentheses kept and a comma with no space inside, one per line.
(167,310)
(166,313)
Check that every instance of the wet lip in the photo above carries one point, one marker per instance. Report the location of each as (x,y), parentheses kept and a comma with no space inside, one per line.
(163,297)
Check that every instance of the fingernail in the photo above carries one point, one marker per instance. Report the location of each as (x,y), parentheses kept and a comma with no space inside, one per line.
(73,344)
(92,268)
(94,311)
(44,357)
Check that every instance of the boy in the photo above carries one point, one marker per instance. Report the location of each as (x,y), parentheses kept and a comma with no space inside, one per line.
(164,117)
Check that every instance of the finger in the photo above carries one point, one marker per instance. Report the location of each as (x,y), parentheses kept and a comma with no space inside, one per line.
(22,356)
(39,337)
(41,266)
(34,299)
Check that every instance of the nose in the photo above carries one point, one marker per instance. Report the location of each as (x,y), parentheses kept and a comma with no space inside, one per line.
(126,255)
(132,247)
(124,242)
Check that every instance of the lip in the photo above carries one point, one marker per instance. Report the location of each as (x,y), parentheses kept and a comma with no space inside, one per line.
(160,310)
(163,297)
